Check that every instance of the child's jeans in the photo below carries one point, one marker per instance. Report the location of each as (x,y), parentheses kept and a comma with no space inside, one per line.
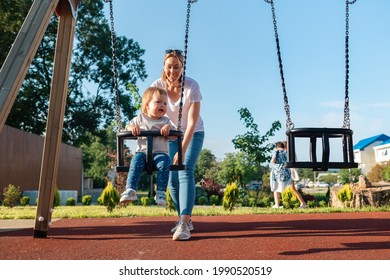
(162,163)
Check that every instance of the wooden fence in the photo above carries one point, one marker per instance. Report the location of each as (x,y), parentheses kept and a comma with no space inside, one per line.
(21,158)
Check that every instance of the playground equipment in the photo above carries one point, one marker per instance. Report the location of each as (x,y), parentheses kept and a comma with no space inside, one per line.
(345,133)
(127,135)
(12,75)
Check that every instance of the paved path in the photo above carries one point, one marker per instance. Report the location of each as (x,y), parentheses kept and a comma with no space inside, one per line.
(344,236)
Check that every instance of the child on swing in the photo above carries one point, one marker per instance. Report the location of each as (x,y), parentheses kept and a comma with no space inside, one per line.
(152,117)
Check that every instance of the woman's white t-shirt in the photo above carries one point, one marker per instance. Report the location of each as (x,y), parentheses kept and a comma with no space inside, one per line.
(191,94)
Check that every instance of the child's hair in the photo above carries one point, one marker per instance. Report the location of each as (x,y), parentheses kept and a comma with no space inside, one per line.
(148,95)
(279,144)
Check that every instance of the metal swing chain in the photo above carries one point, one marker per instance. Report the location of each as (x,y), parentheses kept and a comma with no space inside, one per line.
(289,123)
(115,68)
(185,61)
(347,122)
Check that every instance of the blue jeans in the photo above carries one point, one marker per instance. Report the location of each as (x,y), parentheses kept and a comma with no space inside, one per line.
(162,163)
(182,183)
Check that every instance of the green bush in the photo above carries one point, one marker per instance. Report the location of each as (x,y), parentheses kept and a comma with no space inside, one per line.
(244,200)
(289,199)
(203,200)
(70,202)
(311,204)
(170,204)
(214,199)
(99,201)
(109,197)
(322,203)
(265,201)
(252,202)
(25,201)
(57,198)
(230,196)
(86,200)
(199,192)
(146,201)
(11,195)
(345,195)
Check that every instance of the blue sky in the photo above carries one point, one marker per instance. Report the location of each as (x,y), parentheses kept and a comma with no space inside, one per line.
(232,55)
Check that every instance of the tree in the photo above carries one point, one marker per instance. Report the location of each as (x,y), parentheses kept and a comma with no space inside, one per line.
(306,174)
(386,172)
(237,167)
(206,166)
(90,103)
(350,175)
(96,161)
(376,173)
(90,109)
(12,14)
(329,179)
(229,172)
(252,142)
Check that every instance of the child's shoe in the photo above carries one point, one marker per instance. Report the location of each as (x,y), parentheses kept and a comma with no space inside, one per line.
(160,198)
(128,195)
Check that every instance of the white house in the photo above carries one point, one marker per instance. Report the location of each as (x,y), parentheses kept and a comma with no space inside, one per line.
(382,152)
(371,151)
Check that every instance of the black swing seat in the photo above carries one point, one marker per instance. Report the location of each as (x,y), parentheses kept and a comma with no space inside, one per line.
(149,134)
(325,134)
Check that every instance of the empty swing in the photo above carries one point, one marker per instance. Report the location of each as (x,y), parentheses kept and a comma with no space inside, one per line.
(149,134)
(325,134)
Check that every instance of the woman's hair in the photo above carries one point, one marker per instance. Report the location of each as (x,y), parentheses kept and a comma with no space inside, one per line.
(172,53)
(148,95)
(279,144)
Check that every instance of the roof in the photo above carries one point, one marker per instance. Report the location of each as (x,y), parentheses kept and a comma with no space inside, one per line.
(382,138)
(386,142)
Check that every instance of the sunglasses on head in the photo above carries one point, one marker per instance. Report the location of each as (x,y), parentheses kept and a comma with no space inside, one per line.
(171,51)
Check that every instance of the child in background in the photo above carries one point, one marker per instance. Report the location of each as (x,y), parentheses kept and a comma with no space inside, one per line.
(154,107)
(280,176)
(295,178)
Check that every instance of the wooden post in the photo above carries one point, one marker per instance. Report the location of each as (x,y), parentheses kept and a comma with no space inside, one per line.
(55,119)
(22,53)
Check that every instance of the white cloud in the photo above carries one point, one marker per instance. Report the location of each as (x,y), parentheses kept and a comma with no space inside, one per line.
(379,105)
(333,104)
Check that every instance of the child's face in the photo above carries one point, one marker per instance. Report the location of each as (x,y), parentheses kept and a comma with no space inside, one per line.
(157,106)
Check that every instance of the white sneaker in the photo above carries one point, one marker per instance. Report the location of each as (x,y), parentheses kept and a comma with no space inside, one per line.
(190,226)
(128,195)
(160,198)
(182,232)
(276,206)
(303,206)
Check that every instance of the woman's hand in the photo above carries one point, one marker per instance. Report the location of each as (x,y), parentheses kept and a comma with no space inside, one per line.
(176,159)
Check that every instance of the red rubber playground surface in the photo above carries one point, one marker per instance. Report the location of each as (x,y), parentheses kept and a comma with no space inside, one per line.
(335,236)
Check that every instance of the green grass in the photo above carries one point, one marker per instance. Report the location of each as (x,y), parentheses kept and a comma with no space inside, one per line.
(95,211)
